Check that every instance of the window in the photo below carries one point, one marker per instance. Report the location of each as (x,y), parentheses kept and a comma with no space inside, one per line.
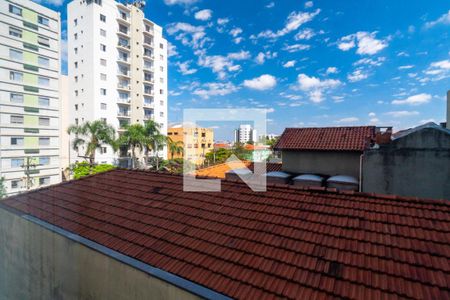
(161,57)
(161,68)
(161,91)
(161,102)
(76,78)
(15,32)
(44,101)
(17,141)
(43,61)
(161,80)
(76,93)
(15,55)
(44,121)
(75,22)
(44,81)
(16,98)
(103,62)
(161,114)
(16,162)
(161,46)
(76,121)
(103,106)
(43,21)
(76,107)
(16,119)
(44,161)
(75,36)
(103,119)
(102,32)
(44,141)
(102,18)
(103,150)
(43,41)
(76,65)
(123,15)
(15,10)
(75,50)
(15,184)
(15,76)
(103,92)
(44,180)
(102,47)
(103,77)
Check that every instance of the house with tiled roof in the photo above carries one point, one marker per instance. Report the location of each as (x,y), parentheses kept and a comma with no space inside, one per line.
(326,151)
(127,234)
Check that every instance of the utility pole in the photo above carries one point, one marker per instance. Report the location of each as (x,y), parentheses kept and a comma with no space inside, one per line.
(27,166)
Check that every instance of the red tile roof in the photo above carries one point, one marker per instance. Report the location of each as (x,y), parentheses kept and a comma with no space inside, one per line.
(286,242)
(327,138)
(219,170)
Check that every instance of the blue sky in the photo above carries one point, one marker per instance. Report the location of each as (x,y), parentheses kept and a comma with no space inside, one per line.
(310,63)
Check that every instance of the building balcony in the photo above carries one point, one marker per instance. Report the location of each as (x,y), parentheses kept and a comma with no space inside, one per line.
(122,20)
(148,55)
(123,61)
(148,80)
(149,104)
(148,92)
(124,86)
(124,46)
(123,74)
(148,43)
(123,114)
(124,101)
(148,117)
(148,67)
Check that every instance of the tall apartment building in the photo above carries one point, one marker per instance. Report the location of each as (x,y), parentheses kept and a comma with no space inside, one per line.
(197,142)
(117,65)
(29,98)
(245,134)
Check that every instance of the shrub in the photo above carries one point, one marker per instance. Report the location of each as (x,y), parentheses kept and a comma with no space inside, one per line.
(82,169)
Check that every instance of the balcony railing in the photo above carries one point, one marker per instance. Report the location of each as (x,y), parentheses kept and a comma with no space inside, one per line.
(123,73)
(123,45)
(148,117)
(124,86)
(122,113)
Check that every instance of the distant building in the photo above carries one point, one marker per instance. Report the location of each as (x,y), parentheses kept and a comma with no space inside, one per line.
(270,136)
(117,65)
(224,145)
(416,163)
(245,134)
(259,152)
(199,141)
(30,51)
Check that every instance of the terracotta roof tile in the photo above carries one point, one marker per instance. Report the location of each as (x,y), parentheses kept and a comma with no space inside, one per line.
(286,242)
(326,138)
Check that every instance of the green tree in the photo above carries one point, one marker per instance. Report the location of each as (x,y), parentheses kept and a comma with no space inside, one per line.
(93,135)
(155,140)
(174,147)
(2,187)
(133,137)
(218,156)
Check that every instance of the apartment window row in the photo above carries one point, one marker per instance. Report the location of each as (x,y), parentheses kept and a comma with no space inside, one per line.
(18,55)
(18,11)
(16,184)
(43,121)
(18,77)
(18,98)
(19,141)
(16,32)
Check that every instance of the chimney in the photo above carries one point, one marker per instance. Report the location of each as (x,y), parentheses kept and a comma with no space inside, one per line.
(383,135)
(448,109)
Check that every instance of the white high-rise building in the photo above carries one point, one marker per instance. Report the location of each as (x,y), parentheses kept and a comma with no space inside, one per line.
(245,134)
(29,97)
(117,67)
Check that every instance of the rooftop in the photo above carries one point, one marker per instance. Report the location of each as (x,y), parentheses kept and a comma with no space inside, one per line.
(219,170)
(327,138)
(286,242)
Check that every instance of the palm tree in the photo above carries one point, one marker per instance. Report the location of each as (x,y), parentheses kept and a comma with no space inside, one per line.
(174,147)
(133,137)
(93,135)
(155,140)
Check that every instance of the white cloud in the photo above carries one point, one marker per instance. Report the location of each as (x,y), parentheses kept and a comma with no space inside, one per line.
(236,31)
(189,35)
(261,83)
(238,40)
(260,58)
(293,22)
(315,87)
(332,70)
(402,113)
(365,42)
(372,114)
(184,2)
(220,64)
(309,4)
(406,67)
(414,100)
(223,21)
(347,120)
(370,62)
(171,49)
(357,75)
(289,64)
(270,5)
(305,34)
(183,68)
(215,89)
(295,48)
(443,20)
(203,15)
(438,70)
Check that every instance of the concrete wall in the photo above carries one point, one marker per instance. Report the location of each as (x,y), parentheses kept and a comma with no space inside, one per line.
(415,165)
(37,263)
(326,163)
